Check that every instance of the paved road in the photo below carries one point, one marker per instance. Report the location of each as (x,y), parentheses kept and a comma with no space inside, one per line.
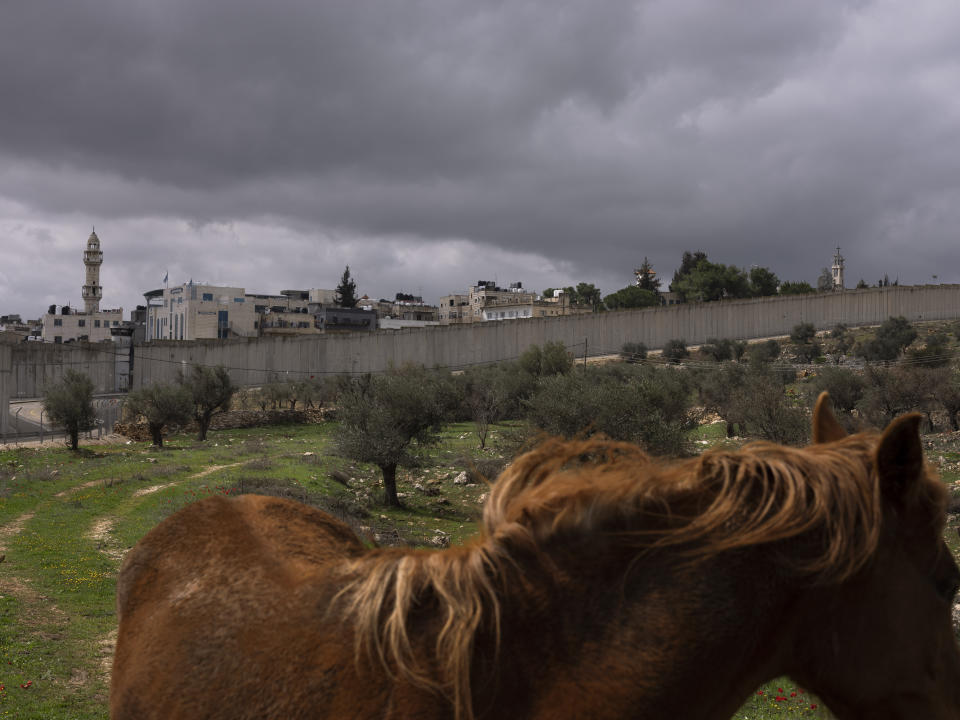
(27,417)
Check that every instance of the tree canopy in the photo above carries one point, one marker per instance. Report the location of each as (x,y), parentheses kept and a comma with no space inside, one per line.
(211,391)
(699,280)
(163,406)
(632,296)
(713,281)
(69,404)
(799,287)
(383,416)
(763,282)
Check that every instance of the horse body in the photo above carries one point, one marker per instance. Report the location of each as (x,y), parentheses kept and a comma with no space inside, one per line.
(606,585)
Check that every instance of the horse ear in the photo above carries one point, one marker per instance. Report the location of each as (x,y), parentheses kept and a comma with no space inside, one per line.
(900,456)
(825,426)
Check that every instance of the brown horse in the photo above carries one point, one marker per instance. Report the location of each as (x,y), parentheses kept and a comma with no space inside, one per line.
(606,584)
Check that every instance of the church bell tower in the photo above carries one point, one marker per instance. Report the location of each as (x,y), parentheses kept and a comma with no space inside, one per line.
(92,259)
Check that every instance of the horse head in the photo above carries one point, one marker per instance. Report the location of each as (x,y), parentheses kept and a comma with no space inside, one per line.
(881,645)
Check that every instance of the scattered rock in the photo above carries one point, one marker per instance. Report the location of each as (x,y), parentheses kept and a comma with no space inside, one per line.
(461,479)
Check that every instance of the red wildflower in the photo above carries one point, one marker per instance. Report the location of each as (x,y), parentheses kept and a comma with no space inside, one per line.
(759,692)
(813,707)
(28,684)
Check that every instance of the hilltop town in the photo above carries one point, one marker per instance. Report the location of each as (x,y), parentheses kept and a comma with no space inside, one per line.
(194,310)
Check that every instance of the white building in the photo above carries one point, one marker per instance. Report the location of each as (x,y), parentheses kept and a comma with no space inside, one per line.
(71,326)
(192,312)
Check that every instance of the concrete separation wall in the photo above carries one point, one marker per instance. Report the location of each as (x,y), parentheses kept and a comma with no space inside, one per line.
(6,369)
(35,365)
(258,360)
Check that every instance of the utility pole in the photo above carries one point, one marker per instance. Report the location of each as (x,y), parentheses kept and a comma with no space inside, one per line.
(585,354)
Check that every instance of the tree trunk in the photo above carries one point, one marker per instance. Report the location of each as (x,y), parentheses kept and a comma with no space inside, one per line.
(203,424)
(730,430)
(156,432)
(74,439)
(953,420)
(390,484)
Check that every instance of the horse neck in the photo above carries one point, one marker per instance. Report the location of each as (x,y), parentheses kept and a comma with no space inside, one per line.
(588,613)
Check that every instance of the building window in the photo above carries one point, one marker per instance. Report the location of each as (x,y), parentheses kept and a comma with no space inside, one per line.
(81,323)
(207,297)
(96,323)
(58,338)
(236,300)
(58,322)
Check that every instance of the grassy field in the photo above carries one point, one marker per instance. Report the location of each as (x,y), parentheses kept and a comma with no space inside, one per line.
(66,519)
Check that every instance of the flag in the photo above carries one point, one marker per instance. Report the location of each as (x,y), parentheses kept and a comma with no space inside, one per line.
(165,276)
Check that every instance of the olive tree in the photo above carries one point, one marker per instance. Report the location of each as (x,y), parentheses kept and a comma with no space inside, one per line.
(383,417)
(211,391)
(163,406)
(643,404)
(69,404)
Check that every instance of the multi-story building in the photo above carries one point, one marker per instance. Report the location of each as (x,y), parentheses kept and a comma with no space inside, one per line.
(409,310)
(288,313)
(68,325)
(486,302)
(455,309)
(197,311)
(32,329)
(540,307)
(194,311)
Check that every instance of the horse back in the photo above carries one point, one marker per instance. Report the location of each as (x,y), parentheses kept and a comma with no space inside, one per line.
(225,596)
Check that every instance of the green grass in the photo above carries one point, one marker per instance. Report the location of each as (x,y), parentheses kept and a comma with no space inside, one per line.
(57,585)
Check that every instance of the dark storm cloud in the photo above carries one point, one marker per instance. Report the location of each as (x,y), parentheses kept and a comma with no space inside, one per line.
(581,135)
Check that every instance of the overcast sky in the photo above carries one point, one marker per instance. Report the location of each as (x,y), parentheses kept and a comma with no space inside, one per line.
(433,143)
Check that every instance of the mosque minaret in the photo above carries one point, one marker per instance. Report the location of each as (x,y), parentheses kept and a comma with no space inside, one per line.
(92,259)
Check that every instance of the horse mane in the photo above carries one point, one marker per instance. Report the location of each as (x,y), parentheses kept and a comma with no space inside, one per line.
(698,507)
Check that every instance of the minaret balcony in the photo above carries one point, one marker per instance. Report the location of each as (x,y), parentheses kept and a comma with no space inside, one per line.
(93,257)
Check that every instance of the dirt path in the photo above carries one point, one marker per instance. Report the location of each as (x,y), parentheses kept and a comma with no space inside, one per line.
(35,612)
(84,486)
(150,490)
(214,468)
(13,528)
(100,531)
